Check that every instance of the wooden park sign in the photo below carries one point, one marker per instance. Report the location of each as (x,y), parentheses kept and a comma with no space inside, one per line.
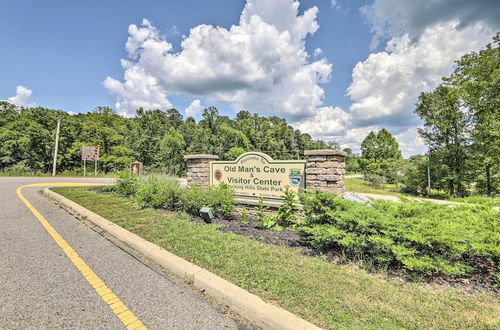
(255,174)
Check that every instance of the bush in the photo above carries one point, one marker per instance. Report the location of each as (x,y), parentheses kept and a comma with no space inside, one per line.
(422,239)
(162,191)
(126,184)
(159,191)
(219,199)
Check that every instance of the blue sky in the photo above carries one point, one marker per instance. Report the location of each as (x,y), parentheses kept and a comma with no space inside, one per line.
(64,51)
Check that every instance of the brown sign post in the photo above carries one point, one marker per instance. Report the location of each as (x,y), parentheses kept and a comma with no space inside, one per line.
(136,168)
(90,153)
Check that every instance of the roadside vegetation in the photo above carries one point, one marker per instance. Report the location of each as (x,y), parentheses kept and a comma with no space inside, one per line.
(461,128)
(330,294)
(419,240)
(159,139)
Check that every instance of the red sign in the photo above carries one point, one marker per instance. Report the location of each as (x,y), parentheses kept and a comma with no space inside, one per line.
(90,153)
(136,168)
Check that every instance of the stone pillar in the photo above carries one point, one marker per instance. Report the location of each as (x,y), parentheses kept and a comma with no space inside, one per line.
(198,169)
(325,170)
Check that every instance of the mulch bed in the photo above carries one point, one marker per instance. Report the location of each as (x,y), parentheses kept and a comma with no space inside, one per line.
(285,237)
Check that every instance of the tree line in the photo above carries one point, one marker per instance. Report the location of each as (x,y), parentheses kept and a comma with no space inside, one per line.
(159,139)
(461,128)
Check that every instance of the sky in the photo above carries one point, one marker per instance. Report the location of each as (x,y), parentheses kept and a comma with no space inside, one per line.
(335,69)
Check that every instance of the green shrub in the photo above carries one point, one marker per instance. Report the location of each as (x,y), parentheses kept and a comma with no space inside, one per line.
(287,212)
(260,215)
(244,216)
(219,199)
(159,191)
(126,184)
(423,239)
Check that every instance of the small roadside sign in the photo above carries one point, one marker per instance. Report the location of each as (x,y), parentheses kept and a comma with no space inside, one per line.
(90,153)
(135,168)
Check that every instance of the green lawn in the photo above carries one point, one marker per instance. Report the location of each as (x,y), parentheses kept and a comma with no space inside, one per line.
(327,294)
(362,186)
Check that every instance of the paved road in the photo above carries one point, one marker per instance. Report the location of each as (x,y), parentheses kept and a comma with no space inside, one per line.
(40,288)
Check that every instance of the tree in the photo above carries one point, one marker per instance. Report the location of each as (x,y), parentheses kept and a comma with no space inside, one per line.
(352,161)
(234,153)
(369,147)
(477,79)
(446,133)
(171,153)
(380,146)
(387,146)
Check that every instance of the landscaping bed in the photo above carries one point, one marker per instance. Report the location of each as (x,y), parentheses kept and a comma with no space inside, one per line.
(325,293)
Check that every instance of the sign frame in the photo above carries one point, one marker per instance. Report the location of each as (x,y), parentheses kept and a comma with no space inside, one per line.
(264,159)
(90,153)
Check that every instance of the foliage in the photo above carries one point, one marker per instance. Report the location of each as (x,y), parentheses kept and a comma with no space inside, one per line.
(165,192)
(374,174)
(244,216)
(422,239)
(462,123)
(261,209)
(380,146)
(270,222)
(477,79)
(172,151)
(234,153)
(287,212)
(352,161)
(446,132)
(126,184)
(330,295)
(157,138)
(159,191)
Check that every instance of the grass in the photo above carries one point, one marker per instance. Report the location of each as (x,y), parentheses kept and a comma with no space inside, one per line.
(362,186)
(327,294)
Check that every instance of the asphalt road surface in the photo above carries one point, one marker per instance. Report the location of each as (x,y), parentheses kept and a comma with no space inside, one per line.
(40,287)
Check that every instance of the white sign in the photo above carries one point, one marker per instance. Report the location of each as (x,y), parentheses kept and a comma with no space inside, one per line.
(90,153)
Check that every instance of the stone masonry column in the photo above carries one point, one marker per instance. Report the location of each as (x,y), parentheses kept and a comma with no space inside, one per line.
(198,169)
(325,170)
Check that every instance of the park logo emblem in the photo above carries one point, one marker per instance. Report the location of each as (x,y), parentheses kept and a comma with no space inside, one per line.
(218,175)
(295,177)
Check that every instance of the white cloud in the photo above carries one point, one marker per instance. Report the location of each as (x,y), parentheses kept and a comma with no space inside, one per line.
(385,87)
(391,18)
(327,123)
(410,142)
(22,97)
(260,64)
(193,109)
(353,137)
(318,52)
(334,4)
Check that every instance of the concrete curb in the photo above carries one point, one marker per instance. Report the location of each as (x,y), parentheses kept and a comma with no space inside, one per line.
(249,306)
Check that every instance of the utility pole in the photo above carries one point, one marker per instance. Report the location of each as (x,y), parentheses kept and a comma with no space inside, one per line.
(54,164)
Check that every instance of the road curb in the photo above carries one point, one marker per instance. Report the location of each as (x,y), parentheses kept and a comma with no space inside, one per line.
(249,306)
